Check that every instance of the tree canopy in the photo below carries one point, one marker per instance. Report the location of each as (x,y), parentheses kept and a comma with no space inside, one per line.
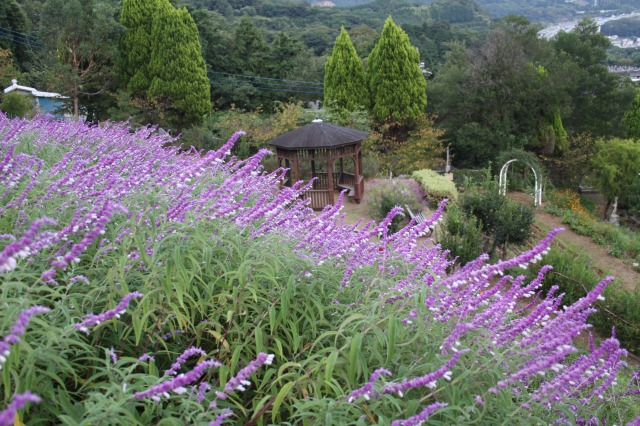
(397,86)
(344,77)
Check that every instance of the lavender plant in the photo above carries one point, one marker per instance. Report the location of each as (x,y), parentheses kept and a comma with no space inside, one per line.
(251,309)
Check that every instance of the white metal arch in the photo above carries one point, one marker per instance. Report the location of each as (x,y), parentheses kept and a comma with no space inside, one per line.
(537,196)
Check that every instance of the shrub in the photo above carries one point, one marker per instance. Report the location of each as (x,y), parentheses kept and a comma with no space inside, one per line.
(502,220)
(461,235)
(435,185)
(383,195)
(16,105)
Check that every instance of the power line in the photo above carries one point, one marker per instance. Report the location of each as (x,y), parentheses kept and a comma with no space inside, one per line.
(24,35)
(313,83)
(263,88)
(11,39)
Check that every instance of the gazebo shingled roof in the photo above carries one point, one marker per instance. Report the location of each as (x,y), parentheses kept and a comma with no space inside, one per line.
(318,135)
(324,143)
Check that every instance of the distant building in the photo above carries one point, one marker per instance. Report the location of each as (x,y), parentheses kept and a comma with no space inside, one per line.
(47,102)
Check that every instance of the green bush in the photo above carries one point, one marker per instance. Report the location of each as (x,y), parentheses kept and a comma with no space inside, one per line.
(384,195)
(16,105)
(435,185)
(462,236)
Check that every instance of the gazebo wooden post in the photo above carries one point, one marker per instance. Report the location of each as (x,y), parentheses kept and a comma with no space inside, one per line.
(356,175)
(312,154)
(330,175)
(341,169)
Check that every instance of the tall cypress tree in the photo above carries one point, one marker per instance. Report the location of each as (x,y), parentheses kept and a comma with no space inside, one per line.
(396,85)
(177,69)
(344,78)
(136,43)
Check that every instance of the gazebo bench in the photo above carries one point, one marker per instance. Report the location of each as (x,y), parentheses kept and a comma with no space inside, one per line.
(344,187)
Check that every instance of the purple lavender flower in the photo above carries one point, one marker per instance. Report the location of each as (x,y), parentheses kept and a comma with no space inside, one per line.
(113,355)
(18,402)
(18,330)
(91,319)
(177,384)
(240,380)
(221,417)
(182,358)
(146,357)
(418,419)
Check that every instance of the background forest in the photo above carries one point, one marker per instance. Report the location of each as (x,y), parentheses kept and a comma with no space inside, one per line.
(491,83)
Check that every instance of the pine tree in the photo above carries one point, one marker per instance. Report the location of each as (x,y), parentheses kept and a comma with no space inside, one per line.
(344,78)
(136,43)
(178,71)
(396,85)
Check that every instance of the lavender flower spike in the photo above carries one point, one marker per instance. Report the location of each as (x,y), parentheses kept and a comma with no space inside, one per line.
(182,358)
(177,384)
(91,319)
(18,330)
(240,380)
(418,419)
(19,401)
(220,418)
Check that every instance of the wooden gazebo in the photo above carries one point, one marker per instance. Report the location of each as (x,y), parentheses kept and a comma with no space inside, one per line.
(312,152)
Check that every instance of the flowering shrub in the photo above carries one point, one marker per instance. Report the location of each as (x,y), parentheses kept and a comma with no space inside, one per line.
(143,285)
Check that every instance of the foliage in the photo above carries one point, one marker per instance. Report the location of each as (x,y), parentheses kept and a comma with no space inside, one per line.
(81,35)
(615,168)
(196,263)
(402,149)
(621,242)
(383,195)
(7,68)
(435,185)
(631,119)
(344,79)
(182,83)
(569,168)
(396,84)
(574,277)
(259,127)
(136,44)
(15,38)
(502,220)
(461,235)
(16,105)
(595,92)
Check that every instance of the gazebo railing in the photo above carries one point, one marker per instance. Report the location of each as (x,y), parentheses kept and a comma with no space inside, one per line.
(319,197)
(322,180)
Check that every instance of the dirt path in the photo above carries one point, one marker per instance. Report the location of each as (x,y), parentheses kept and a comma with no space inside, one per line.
(602,260)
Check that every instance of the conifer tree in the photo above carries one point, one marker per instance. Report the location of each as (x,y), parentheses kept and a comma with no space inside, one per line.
(136,43)
(178,71)
(344,78)
(396,85)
